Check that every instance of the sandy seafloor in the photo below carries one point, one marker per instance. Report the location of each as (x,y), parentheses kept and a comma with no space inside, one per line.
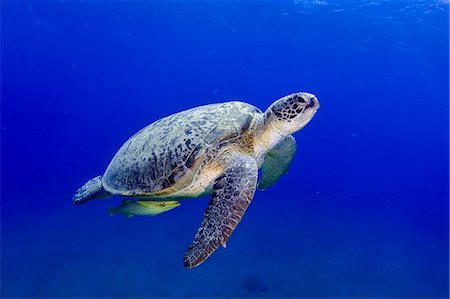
(278,251)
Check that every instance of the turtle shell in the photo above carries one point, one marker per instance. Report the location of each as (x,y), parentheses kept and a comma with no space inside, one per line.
(168,152)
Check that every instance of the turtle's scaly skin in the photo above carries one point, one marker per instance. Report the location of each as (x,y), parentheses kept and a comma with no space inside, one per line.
(171,154)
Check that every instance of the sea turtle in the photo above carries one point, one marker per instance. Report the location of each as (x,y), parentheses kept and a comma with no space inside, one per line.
(215,149)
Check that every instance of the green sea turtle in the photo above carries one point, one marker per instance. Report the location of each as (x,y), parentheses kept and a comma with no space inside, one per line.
(215,149)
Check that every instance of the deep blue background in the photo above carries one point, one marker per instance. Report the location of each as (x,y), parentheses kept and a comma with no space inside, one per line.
(363,211)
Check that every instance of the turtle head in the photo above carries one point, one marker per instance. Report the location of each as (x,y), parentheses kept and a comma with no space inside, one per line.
(291,113)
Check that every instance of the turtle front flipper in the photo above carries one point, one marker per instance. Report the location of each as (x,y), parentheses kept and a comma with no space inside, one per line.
(277,162)
(232,193)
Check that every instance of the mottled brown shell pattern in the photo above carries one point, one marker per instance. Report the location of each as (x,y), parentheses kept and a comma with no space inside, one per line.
(170,151)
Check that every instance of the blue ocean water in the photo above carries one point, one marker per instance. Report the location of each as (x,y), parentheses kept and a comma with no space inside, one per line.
(363,211)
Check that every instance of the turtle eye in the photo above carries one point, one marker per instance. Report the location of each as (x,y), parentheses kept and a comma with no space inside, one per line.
(300,99)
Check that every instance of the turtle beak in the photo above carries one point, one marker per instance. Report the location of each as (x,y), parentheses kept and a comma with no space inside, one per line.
(313,103)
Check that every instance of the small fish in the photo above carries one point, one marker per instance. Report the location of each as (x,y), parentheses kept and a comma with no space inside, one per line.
(130,208)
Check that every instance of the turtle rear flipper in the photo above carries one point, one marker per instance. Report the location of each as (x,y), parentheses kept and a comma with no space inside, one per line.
(93,189)
(233,192)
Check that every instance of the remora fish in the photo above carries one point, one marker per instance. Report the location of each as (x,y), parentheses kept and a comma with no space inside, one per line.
(130,208)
